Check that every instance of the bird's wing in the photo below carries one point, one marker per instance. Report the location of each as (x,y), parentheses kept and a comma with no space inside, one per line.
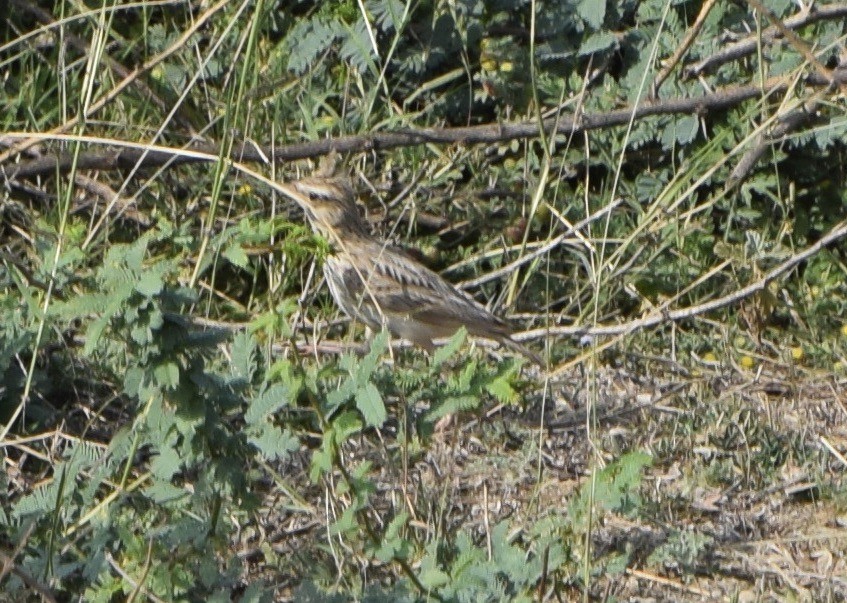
(406,287)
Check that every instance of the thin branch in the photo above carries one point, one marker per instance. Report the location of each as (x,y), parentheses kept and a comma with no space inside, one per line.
(528,257)
(788,123)
(9,566)
(662,315)
(145,157)
(45,18)
(137,586)
(128,80)
(695,29)
(748,45)
(799,45)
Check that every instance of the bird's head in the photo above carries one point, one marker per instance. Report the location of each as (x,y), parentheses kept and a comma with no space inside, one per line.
(330,205)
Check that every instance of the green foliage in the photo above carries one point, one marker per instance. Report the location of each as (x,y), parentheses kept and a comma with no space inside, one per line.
(466,385)
(509,574)
(681,549)
(185,410)
(174,429)
(615,488)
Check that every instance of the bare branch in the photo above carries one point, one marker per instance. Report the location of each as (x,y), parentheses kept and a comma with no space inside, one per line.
(128,158)
(663,315)
(747,46)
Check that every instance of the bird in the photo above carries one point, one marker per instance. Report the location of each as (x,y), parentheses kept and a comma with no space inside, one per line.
(381,285)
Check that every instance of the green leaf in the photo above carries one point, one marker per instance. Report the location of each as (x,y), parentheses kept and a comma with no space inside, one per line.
(284,371)
(274,443)
(236,255)
(357,49)
(161,492)
(366,366)
(592,12)
(501,388)
(687,128)
(345,425)
(370,404)
(150,283)
(243,350)
(307,40)
(598,42)
(682,547)
(466,377)
(388,13)
(94,333)
(617,564)
(680,131)
(393,546)
(451,405)
(430,575)
(442,354)
(322,459)
(39,501)
(166,463)
(615,488)
(166,374)
(267,403)
(341,394)
(346,523)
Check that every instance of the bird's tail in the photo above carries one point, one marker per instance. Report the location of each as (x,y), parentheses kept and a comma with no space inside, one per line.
(524,351)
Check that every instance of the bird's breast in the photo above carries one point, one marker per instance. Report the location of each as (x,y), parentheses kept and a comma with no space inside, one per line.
(349,291)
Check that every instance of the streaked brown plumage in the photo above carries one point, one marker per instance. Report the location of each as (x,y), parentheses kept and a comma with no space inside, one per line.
(378,284)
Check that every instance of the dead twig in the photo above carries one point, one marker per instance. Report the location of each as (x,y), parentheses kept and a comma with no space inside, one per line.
(682,48)
(748,45)
(148,156)
(663,315)
(84,48)
(799,45)
(130,79)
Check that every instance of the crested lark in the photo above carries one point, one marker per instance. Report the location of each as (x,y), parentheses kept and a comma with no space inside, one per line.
(380,285)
